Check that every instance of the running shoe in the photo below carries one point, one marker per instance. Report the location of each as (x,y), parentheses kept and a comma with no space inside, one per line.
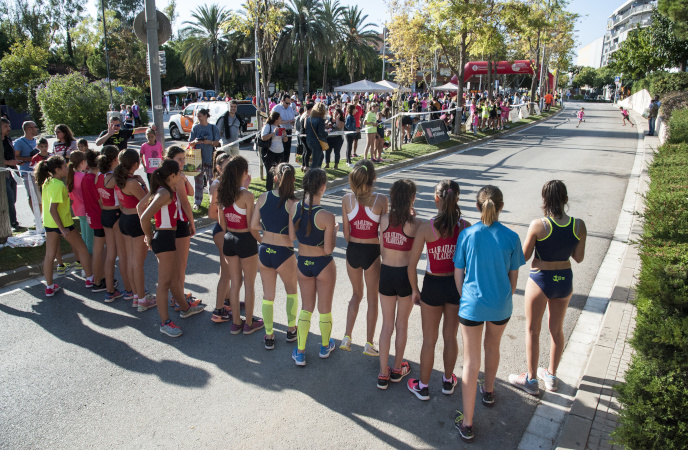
(128,295)
(227,306)
(299,358)
(99,287)
(147,303)
(269,342)
(488,398)
(50,291)
(112,296)
(191,311)
(414,386)
(221,315)
(551,381)
(292,336)
(89,284)
(175,305)
(62,268)
(78,266)
(448,386)
(170,329)
(325,351)
(383,380)
(135,302)
(521,381)
(346,344)
(466,432)
(256,325)
(236,329)
(396,375)
(370,350)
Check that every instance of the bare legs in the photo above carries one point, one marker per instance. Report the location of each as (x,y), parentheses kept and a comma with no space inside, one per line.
(395,316)
(372,283)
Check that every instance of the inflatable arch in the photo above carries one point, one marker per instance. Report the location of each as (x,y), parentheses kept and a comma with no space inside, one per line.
(503,67)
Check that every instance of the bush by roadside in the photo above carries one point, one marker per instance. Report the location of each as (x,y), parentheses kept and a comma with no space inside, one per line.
(662,82)
(673,101)
(655,396)
(678,127)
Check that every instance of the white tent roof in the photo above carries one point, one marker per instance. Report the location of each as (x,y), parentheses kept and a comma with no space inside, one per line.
(363,86)
(184,90)
(392,85)
(446,87)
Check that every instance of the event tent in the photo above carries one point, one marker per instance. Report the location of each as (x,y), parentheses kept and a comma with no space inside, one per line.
(446,87)
(392,85)
(363,86)
(184,90)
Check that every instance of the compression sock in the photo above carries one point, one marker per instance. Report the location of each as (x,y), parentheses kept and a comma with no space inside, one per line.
(304,328)
(326,328)
(292,309)
(268,308)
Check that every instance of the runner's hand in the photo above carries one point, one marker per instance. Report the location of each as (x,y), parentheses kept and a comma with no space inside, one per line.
(65,232)
(415,298)
(148,239)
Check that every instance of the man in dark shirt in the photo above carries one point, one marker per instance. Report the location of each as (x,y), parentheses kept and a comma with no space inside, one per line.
(118,135)
(10,162)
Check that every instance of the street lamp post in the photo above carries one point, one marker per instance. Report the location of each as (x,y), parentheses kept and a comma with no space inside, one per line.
(384,49)
(107,57)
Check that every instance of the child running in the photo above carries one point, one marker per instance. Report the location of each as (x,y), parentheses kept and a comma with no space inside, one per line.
(439,297)
(57,219)
(581,116)
(487,259)
(316,231)
(554,239)
(625,115)
(93,212)
(361,211)
(276,251)
(161,204)
(400,228)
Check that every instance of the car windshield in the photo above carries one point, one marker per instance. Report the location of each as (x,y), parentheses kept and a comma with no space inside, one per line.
(189,110)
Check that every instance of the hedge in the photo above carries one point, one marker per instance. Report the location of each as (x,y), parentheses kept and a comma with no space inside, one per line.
(654,397)
(678,127)
(661,82)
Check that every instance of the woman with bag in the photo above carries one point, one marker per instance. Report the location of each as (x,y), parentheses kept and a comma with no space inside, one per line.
(272,154)
(316,136)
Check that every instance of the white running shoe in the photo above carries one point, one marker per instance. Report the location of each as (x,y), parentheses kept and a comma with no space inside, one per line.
(370,350)
(551,381)
(346,344)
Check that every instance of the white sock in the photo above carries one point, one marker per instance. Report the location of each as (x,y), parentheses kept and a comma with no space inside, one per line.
(90,278)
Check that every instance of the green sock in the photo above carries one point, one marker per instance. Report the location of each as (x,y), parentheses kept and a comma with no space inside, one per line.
(292,309)
(268,308)
(304,328)
(326,328)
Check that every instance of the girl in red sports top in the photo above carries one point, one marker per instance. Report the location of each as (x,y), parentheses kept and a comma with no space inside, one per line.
(400,227)
(93,212)
(235,208)
(185,223)
(130,189)
(439,296)
(361,211)
(161,204)
(115,247)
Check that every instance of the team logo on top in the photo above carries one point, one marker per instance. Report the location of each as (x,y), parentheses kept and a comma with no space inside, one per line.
(363,225)
(395,238)
(558,278)
(233,218)
(443,252)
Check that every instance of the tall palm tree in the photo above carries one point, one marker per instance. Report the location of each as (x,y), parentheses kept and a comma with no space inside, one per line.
(205,43)
(331,17)
(358,40)
(306,31)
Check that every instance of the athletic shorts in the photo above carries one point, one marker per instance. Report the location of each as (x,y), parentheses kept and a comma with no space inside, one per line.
(243,245)
(217,229)
(273,256)
(99,232)
(164,241)
(130,225)
(57,230)
(553,283)
(183,229)
(407,120)
(362,256)
(394,281)
(358,133)
(438,291)
(311,266)
(109,217)
(473,323)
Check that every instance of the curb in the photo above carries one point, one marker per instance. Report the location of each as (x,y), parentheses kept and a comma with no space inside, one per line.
(28,272)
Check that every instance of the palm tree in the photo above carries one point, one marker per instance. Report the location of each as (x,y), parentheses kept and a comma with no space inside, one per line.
(358,41)
(306,30)
(331,17)
(205,43)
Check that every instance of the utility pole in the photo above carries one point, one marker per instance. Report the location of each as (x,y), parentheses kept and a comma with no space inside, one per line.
(154,64)
(107,57)
(308,73)
(384,48)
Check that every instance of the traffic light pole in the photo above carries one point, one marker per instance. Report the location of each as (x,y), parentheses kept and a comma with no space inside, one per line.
(154,64)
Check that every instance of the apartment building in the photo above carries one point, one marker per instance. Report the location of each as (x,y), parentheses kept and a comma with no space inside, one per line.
(624,19)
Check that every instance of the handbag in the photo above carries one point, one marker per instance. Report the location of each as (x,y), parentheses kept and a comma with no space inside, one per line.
(323,145)
(261,143)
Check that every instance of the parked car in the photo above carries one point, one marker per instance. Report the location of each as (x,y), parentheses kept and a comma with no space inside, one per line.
(180,124)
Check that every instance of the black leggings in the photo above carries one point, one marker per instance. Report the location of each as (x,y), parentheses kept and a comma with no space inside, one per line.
(350,138)
(336,145)
(306,158)
(270,159)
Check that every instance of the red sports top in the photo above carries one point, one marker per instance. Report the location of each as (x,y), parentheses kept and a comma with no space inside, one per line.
(126,201)
(90,194)
(236,217)
(166,217)
(180,211)
(364,224)
(107,196)
(394,238)
(441,252)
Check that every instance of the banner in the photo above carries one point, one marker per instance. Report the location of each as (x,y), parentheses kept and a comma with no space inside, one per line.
(524,112)
(435,131)
(513,115)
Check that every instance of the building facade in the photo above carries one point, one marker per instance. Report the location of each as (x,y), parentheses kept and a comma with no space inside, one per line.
(591,54)
(625,18)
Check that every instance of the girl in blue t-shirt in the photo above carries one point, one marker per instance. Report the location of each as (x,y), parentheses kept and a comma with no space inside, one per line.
(486,262)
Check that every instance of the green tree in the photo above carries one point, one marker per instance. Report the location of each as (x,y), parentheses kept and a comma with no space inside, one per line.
(635,57)
(358,41)
(306,30)
(329,50)
(586,77)
(21,71)
(666,40)
(677,12)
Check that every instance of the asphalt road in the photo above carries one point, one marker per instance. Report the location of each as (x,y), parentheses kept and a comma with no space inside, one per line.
(80,373)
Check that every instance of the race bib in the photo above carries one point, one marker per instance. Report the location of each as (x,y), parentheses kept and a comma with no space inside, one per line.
(154,163)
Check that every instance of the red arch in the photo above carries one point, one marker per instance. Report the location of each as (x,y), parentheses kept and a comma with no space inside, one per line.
(523,66)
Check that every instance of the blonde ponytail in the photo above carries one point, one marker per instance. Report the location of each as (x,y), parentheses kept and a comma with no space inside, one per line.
(490,202)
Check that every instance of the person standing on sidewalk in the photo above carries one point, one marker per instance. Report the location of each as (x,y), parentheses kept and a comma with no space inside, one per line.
(205,137)
(136,112)
(555,239)
(232,124)
(24,150)
(287,116)
(652,118)
(118,135)
(10,163)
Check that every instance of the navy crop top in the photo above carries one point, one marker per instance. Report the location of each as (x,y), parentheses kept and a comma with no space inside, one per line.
(559,243)
(317,236)
(275,218)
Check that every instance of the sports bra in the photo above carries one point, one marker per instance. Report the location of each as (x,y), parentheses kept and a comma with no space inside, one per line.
(394,238)
(166,217)
(126,201)
(441,252)
(560,243)
(275,218)
(107,195)
(364,224)
(317,236)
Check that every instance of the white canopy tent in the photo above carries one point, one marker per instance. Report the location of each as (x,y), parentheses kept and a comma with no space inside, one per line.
(184,90)
(394,86)
(363,86)
(446,87)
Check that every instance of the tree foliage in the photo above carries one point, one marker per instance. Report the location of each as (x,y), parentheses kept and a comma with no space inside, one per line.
(21,71)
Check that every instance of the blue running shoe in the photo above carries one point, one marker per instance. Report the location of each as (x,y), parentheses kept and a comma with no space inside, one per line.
(299,358)
(112,296)
(325,351)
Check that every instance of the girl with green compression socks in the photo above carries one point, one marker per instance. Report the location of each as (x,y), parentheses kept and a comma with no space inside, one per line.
(276,251)
(316,231)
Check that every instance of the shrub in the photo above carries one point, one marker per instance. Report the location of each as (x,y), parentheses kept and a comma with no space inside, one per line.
(678,126)
(655,396)
(128,95)
(673,101)
(669,82)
